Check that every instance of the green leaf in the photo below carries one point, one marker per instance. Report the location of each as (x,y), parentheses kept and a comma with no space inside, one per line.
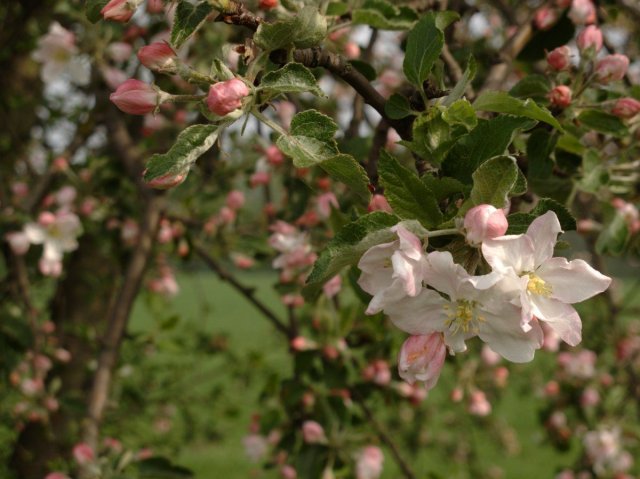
(305,150)
(189,146)
(424,45)
(188,19)
(347,170)
(446,18)
(502,102)
(162,468)
(348,246)
(540,145)
(567,221)
(532,86)
(603,122)
(408,196)
(314,124)
(397,107)
(571,144)
(305,30)
(467,77)
(336,9)
(461,113)
(92,9)
(614,237)
(293,77)
(519,222)
(493,181)
(384,16)
(490,138)
(443,188)
(594,174)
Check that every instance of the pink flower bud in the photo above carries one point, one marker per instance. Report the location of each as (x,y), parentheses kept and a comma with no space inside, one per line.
(421,359)
(259,178)
(167,181)
(158,56)
(563,3)
(484,222)
(225,97)
(590,37)
(457,394)
(226,215)
(155,6)
(552,388)
(559,58)
(351,50)
(332,287)
(379,203)
(313,432)
(479,406)
(545,17)
(136,97)
(62,355)
(119,51)
(235,199)
(560,96)
(119,10)
(46,219)
(369,463)
(274,156)
(18,242)
(583,12)
(589,398)
(612,68)
(626,108)
(268,4)
(288,472)
(489,356)
(83,453)
(241,261)
(56,475)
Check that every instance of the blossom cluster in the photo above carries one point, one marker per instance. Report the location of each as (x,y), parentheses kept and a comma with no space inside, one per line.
(442,305)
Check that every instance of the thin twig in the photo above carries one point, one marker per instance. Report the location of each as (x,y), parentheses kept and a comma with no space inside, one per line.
(246,291)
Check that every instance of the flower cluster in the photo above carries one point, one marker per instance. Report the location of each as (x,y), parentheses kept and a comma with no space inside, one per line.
(429,294)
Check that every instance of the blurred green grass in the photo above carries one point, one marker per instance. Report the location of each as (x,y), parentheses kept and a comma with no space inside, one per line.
(212,305)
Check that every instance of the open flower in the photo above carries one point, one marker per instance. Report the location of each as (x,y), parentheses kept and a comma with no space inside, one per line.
(391,271)
(548,286)
(468,306)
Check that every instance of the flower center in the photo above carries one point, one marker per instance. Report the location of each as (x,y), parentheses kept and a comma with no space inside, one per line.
(462,315)
(537,285)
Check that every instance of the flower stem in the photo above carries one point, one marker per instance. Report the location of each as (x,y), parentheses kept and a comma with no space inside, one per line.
(451,231)
(268,121)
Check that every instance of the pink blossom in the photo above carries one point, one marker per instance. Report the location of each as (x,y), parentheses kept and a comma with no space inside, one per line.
(332,287)
(20,189)
(225,97)
(18,242)
(626,108)
(158,56)
(379,203)
(285,111)
(268,4)
(287,471)
(113,77)
(226,215)
(120,10)
(155,6)
(484,222)
(369,463)
(582,12)
(559,58)
(255,447)
(605,451)
(351,50)
(274,156)
(235,199)
(560,96)
(313,432)
(259,178)
(119,51)
(325,202)
(113,444)
(83,453)
(56,475)
(612,68)
(589,397)
(478,404)
(31,387)
(137,98)
(590,37)
(55,51)
(545,17)
(421,359)
(293,300)
(489,356)
(62,355)
(500,376)
(242,261)
(580,365)
(378,372)
(165,232)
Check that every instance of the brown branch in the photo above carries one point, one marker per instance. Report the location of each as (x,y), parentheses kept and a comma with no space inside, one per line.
(237,14)
(385,438)
(246,291)
(379,141)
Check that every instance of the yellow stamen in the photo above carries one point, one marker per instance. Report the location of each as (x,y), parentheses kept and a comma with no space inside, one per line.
(462,315)
(537,285)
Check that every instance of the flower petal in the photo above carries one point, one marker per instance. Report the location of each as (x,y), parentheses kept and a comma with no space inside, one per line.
(512,252)
(561,317)
(443,274)
(543,232)
(386,296)
(410,245)
(35,233)
(422,314)
(503,333)
(572,281)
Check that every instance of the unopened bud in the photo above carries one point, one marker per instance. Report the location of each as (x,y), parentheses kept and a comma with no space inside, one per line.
(484,222)
(612,68)
(225,97)
(137,98)
(559,58)
(120,10)
(158,56)
(560,96)
(421,359)
(590,37)
(626,108)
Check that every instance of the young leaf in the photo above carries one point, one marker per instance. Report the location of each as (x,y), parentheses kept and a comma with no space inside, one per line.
(188,19)
(305,150)
(314,124)
(407,195)
(494,180)
(293,77)
(603,122)
(502,102)
(304,30)
(467,77)
(461,113)
(384,16)
(540,145)
(397,107)
(189,146)
(348,246)
(567,221)
(424,45)
(346,169)
(92,9)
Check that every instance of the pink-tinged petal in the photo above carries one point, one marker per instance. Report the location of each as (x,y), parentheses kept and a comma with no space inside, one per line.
(422,314)
(543,232)
(561,317)
(410,245)
(486,281)
(503,333)
(508,254)
(443,274)
(376,267)
(386,297)
(572,282)
(405,271)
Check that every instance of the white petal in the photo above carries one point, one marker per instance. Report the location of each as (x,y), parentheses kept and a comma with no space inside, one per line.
(52,251)
(376,268)
(514,252)
(543,232)
(386,296)
(561,317)
(409,272)
(443,274)
(422,314)
(502,332)
(410,245)
(572,282)
(35,233)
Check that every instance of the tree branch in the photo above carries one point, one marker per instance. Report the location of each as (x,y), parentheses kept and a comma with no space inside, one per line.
(245,291)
